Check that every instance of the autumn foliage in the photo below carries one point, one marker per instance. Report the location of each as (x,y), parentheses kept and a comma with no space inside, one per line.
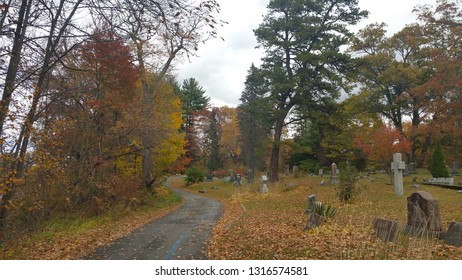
(382,144)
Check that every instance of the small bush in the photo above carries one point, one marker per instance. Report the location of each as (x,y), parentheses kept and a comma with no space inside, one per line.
(194,175)
(327,211)
(437,164)
(161,192)
(347,190)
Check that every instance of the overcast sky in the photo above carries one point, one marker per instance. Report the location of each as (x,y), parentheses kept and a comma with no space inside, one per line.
(221,66)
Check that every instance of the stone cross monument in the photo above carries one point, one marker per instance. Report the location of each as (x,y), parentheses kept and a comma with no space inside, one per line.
(398,166)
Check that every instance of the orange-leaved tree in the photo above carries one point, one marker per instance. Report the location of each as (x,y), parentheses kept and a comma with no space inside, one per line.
(383,143)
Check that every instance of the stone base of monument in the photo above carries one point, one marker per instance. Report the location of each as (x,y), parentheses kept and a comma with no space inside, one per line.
(421,232)
(334,180)
(263,188)
(314,220)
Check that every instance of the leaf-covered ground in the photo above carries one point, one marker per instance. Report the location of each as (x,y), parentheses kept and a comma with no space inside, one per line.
(271,226)
(75,238)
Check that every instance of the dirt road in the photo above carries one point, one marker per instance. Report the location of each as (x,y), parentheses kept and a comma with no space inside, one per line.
(182,234)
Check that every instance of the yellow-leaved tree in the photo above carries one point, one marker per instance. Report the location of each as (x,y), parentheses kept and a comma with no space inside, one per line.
(167,120)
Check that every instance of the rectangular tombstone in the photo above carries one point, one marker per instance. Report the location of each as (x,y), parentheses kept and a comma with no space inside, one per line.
(263,187)
(250,176)
(286,170)
(238,180)
(232,176)
(411,168)
(310,203)
(295,170)
(386,230)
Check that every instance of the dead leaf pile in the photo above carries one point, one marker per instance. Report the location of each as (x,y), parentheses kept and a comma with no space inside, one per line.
(273,227)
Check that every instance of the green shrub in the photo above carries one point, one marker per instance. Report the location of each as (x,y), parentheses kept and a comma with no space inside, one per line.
(327,211)
(347,190)
(194,175)
(437,164)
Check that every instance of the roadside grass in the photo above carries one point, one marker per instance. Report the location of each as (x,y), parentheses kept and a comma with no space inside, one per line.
(72,236)
(271,226)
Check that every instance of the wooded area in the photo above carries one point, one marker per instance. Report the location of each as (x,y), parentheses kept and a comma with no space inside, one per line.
(92,115)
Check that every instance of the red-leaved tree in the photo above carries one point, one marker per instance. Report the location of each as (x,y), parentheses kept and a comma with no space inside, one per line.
(383,143)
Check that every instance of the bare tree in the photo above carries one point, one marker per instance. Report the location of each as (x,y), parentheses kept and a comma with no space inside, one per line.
(22,22)
(45,44)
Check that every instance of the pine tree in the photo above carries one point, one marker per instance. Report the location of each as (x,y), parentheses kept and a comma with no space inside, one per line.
(303,61)
(437,164)
(213,135)
(193,100)
(254,119)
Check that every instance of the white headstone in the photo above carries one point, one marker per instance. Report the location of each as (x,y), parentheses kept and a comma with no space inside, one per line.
(398,166)
(263,188)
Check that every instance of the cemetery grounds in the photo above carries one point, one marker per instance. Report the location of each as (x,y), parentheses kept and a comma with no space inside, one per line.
(271,226)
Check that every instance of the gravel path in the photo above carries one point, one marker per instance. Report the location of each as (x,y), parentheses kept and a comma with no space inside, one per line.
(182,234)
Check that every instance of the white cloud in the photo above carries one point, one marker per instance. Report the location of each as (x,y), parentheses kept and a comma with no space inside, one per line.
(221,66)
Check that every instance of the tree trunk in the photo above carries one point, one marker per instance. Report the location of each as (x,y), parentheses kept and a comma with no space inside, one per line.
(50,50)
(146,161)
(413,138)
(274,164)
(146,153)
(425,150)
(13,65)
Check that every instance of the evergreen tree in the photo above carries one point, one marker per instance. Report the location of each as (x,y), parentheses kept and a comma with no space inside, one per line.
(437,164)
(213,139)
(303,62)
(193,100)
(254,119)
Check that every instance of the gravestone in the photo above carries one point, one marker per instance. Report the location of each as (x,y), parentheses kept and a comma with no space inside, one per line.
(334,174)
(209,177)
(423,215)
(454,168)
(295,170)
(232,176)
(238,180)
(321,172)
(406,170)
(314,220)
(454,234)
(286,170)
(250,176)
(398,166)
(310,203)
(263,187)
(411,168)
(386,230)
(291,186)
